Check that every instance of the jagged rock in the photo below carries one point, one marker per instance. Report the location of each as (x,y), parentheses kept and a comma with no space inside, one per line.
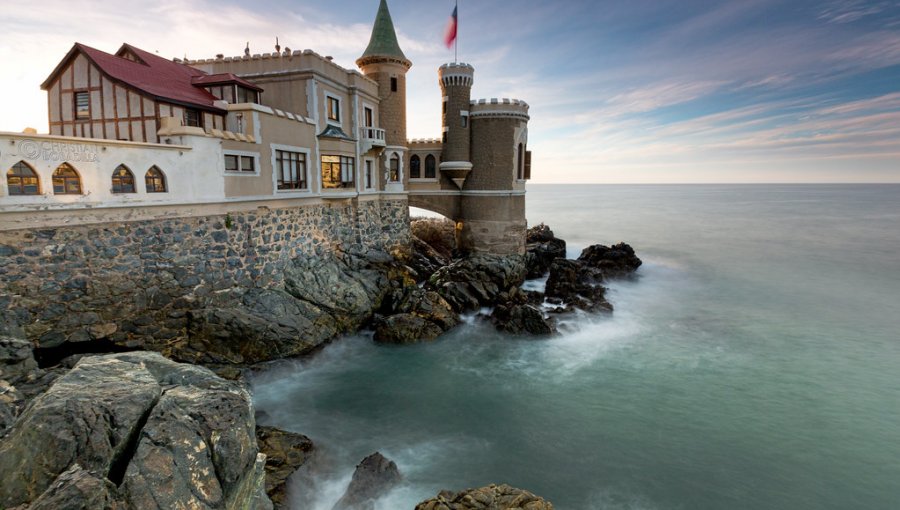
(424,260)
(78,489)
(16,359)
(478,280)
(542,248)
(521,318)
(373,478)
(406,328)
(577,285)
(492,497)
(285,453)
(169,434)
(616,260)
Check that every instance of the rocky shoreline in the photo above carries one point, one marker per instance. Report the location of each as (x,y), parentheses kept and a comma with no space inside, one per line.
(163,430)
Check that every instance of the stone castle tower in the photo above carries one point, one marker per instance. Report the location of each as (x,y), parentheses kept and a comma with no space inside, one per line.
(484,163)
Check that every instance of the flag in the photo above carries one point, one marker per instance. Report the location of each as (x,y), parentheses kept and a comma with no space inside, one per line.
(450,33)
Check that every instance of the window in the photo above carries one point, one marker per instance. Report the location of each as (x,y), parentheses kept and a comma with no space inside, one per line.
(66,180)
(429,167)
(334,109)
(370,174)
(82,105)
(415,167)
(464,121)
(21,179)
(236,163)
(395,169)
(444,137)
(337,172)
(520,163)
(192,118)
(245,95)
(444,107)
(155,180)
(369,117)
(122,180)
(393,84)
(290,168)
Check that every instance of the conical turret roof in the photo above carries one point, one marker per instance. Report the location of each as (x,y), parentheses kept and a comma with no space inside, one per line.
(383,42)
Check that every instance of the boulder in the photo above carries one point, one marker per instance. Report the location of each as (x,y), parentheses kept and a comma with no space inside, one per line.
(16,359)
(478,280)
(613,261)
(424,260)
(542,248)
(168,435)
(576,285)
(521,319)
(285,453)
(78,489)
(373,478)
(492,497)
(406,328)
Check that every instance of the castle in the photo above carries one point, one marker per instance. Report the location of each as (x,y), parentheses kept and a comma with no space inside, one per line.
(134,136)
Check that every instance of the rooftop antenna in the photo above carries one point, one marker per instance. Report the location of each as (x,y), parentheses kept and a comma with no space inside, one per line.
(277,46)
(247,50)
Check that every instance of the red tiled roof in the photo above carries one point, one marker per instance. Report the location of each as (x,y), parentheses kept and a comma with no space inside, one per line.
(221,79)
(156,76)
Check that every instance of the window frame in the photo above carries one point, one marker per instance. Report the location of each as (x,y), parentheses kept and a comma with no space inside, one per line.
(368,116)
(342,162)
(276,171)
(129,175)
(76,113)
(241,155)
(185,117)
(415,167)
(329,100)
(370,174)
(425,170)
(67,180)
(394,172)
(34,175)
(162,178)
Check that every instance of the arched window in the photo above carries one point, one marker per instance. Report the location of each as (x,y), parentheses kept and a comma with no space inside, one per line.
(155,180)
(395,169)
(520,163)
(429,167)
(66,180)
(21,179)
(122,180)
(415,170)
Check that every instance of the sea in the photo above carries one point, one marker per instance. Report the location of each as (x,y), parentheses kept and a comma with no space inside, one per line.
(753,362)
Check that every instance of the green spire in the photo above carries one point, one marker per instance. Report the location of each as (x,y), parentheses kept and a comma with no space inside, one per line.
(384,40)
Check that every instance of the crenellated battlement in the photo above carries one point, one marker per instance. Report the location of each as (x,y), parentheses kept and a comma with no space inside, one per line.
(502,107)
(456,74)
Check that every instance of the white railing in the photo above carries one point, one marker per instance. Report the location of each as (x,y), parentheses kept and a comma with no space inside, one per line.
(372,134)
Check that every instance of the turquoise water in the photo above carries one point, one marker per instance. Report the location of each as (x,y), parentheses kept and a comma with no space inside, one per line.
(755,363)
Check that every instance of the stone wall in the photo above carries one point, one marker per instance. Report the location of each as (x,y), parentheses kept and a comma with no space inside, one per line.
(130,282)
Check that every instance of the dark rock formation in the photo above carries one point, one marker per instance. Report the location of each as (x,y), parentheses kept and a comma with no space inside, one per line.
(521,319)
(285,453)
(492,497)
(613,261)
(424,260)
(406,328)
(414,314)
(576,285)
(478,280)
(167,435)
(373,478)
(542,248)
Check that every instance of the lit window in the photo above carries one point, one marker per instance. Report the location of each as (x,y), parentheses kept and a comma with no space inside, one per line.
(66,180)
(415,170)
(291,169)
(395,168)
(337,171)
(334,109)
(430,172)
(155,180)
(21,179)
(122,180)
(82,105)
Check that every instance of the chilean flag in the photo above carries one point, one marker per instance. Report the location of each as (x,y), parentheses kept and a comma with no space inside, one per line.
(450,32)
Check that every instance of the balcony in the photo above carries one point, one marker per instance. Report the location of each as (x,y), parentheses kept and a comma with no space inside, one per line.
(370,137)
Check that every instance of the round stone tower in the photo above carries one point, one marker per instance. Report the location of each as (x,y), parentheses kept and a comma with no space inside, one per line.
(384,62)
(456,85)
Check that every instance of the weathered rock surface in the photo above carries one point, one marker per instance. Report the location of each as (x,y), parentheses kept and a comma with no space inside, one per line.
(78,489)
(169,435)
(576,285)
(373,478)
(521,319)
(413,315)
(406,328)
(492,497)
(285,453)
(613,261)
(478,280)
(424,260)
(542,248)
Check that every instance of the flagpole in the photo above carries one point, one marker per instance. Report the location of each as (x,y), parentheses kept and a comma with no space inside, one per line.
(456,41)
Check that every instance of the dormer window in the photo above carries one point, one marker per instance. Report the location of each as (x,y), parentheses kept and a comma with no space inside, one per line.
(192,118)
(334,108)
(82,105)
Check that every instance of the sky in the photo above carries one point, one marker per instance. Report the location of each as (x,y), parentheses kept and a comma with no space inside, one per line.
(643,91)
